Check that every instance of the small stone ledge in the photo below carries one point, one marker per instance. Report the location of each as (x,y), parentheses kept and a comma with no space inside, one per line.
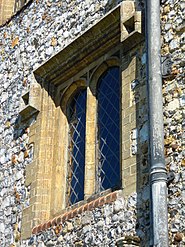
(27,112)
(107,199)
(31,102)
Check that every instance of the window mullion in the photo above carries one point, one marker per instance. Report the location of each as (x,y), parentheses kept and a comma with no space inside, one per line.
(90,144)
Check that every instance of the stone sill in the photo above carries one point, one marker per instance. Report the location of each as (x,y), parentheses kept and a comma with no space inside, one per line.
(77,209)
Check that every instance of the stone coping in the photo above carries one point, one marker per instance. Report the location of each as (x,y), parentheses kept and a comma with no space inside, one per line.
(106,199)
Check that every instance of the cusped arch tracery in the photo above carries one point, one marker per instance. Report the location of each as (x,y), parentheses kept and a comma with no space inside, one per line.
(69,92)
(100,70)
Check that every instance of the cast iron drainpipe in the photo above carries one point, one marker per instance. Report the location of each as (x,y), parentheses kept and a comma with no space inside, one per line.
(158,176)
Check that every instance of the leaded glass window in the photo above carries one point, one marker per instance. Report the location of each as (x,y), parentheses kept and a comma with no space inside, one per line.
(108,136)
(76,148)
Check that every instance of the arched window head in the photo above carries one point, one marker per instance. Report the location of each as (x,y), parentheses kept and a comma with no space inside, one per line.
(108,136)
(76,149)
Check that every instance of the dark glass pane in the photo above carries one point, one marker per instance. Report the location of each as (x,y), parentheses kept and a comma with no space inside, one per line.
(108,96)
(77,120)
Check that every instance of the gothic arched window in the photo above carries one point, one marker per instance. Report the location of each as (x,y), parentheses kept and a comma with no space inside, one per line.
(108,136)
(76,148)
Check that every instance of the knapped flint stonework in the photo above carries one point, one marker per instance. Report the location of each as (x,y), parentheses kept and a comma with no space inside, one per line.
(173,27)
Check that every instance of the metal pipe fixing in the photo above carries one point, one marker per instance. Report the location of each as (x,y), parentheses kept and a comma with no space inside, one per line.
(158,176)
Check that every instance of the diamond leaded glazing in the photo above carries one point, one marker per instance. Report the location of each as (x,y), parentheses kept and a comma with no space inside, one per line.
(76,149)
(108,96)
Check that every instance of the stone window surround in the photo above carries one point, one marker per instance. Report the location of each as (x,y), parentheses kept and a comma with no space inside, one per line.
(116,34)
(90,83)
